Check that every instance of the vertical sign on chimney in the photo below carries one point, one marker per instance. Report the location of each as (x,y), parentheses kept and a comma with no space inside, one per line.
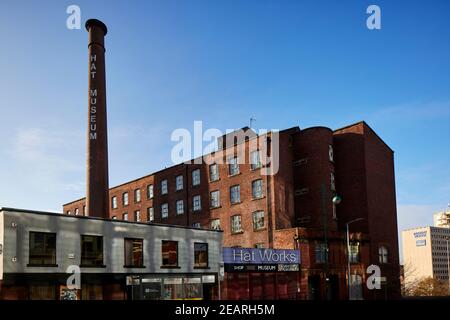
(97,156)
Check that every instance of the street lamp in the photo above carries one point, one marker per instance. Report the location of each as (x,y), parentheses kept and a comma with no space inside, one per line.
(348,252)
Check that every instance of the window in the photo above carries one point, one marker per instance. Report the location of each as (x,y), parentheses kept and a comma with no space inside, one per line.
(164,211)
(332,182)
(354,252)
(125,198)
(196,225)
(68,212)
(330,153)
(169,252)
(321,252)
(383,254)
(213,172)
(125,216)
(150,214)
(84,210)
(42,248)
(235,194)
(257,189)
(255,161)
(236,224)
(200,255)
(258,220)
(196,203)
(77,211)
(215,199)
(196,177)
(164,186)
(180,207)
(134,254)
(137,195)
(114,217)
(150,191)
(215,224)
(259,245)
(114,202)
(179,183)
(137,215)
(91,251)
(233,166)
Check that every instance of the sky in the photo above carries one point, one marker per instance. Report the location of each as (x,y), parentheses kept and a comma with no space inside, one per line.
(169,63)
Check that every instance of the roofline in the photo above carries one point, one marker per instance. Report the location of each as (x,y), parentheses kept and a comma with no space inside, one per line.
(365,123)
(59,214)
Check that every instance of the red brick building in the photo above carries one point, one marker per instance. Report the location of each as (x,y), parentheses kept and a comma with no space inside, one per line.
(292,209)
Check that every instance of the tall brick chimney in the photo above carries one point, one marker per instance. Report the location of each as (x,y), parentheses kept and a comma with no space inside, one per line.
(97,197)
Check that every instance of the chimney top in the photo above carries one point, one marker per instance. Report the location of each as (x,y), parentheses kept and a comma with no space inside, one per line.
(98,23)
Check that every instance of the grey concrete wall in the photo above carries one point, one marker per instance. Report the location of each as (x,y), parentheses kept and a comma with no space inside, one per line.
(69,229)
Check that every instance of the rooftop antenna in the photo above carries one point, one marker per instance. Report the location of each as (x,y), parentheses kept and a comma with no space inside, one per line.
(253,120)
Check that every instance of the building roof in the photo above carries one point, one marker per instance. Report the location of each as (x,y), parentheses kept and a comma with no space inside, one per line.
(362,122)
(16,210)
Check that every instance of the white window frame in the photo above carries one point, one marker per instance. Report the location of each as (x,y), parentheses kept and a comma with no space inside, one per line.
(233,166)
(164,187)
(150,191)
(180,207)
(255,163)
(150,214)
(234,194)
(125,199)
(114,202)
(236,223)
(194,200)
(214,173)
(215,224)
(257,219)
(179,182)
(261,192)
(196,177)
(165,211)
(137,195)
(137,215)
(215,199)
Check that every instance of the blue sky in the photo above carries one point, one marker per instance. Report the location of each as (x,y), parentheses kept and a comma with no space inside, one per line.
(285,63)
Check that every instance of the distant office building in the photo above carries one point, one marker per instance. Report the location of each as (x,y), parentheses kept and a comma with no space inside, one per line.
(291,210)
(117,259)
(442,219)
(425,253)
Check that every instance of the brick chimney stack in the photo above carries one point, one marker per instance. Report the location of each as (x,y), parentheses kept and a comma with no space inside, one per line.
(97,195)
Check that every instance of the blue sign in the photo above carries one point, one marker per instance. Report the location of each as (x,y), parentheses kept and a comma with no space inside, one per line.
(420,234)
(260,256)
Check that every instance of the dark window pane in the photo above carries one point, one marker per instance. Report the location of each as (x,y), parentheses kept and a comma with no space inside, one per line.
(169,251)
(201,255)
(134,252)
(42,248)
(91,250)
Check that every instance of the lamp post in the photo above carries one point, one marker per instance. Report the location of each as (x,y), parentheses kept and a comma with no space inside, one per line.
(348,252)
